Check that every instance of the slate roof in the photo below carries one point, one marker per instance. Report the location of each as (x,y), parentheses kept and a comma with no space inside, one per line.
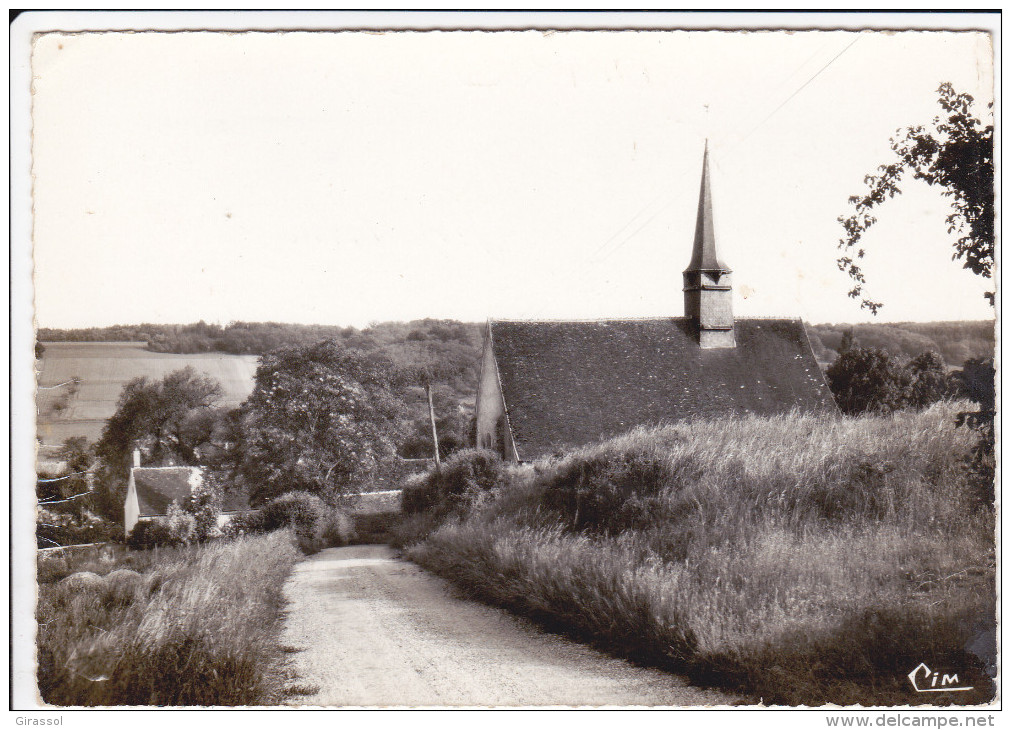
(570,383)
(158,487)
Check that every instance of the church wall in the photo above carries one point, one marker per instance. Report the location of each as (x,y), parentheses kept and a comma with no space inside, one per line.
(489,409)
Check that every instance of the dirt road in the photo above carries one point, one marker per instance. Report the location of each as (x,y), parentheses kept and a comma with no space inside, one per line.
(378,631)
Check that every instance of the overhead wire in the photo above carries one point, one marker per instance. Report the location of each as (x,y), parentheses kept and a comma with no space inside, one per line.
(797,91)
(580,271)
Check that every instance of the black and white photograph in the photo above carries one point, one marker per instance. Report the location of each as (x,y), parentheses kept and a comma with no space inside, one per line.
(539,360)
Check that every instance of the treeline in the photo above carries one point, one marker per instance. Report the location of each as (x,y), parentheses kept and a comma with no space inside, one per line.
(956,342)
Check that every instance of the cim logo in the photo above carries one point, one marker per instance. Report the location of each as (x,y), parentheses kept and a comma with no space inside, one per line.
(926,680)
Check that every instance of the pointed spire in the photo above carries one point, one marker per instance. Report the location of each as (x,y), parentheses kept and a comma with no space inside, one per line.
(704,256)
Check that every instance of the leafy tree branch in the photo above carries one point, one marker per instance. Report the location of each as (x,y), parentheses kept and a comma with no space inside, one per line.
(956,154)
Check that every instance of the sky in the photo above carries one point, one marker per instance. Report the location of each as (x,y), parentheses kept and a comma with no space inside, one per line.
(346,178)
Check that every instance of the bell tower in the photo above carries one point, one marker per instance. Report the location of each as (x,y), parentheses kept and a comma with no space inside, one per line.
(707,288)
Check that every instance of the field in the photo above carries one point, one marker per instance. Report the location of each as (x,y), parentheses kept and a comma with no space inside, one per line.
(105,367)
(798,560)
(183,626)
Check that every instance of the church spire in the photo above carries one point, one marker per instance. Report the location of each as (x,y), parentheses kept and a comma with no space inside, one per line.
(704,256)
(707,289)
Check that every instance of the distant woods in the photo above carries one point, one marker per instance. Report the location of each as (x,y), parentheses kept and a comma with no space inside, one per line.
(257,338)
(955,342)
(453,347)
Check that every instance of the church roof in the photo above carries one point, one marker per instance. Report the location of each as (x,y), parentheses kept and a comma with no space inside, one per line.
(159,486)
(704,255)
(566,384)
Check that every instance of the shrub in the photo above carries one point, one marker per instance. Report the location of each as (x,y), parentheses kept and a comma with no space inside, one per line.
(612,492)
(244,523)
(316,524)
(181,525)
(470,472)
(929,381)
(464,477)
(420,493)
(337,528)
(205,507)
(60,529)
(149,534)
(976,380)
(298,510)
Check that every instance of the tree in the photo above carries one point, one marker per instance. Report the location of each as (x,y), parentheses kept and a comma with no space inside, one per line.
(866,380)
(171,418)
(955,154)
(320,419)
(929,381)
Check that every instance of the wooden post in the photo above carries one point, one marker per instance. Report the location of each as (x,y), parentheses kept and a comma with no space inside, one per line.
(435,434)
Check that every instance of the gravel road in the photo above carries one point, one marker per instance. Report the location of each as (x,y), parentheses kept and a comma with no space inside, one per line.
(375,630)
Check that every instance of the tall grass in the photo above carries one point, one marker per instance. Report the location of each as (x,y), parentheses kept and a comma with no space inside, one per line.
(800,559)
(189,626)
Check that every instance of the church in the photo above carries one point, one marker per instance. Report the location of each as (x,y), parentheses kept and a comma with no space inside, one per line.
(549,386)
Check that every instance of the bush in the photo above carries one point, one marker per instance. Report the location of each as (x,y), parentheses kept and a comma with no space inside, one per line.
(178,527)
(149,534)
(182,526)
(337,528)
(976,380)
(316,524)
(420,493)
(245,523)
(613,492)
(298,510)
(464,477)
(54,529)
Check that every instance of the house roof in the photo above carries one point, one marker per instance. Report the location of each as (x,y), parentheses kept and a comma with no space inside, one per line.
(566,384)
(159,486)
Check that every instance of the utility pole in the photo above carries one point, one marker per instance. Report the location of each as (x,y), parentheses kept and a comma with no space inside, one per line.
(435,434)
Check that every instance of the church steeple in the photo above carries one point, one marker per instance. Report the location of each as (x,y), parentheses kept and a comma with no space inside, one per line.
(707,288)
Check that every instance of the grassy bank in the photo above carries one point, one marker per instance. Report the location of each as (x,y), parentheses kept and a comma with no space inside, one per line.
(800,560)
(185,626)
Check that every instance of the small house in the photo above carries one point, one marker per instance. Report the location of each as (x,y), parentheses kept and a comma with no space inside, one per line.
(151,489)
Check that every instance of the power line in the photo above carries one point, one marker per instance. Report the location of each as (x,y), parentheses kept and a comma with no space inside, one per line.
(621,230)
(799,89)
(583,268)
